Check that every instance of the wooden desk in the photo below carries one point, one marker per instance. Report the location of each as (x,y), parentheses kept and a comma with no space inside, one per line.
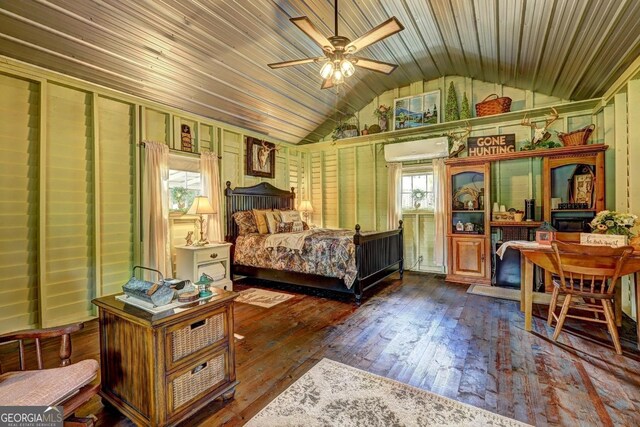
(543,256)
(159,369)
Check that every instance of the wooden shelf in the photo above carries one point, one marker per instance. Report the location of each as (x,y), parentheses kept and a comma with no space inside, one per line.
(572,210)
(527,224)
(467,210)
(432,131)
(579,150)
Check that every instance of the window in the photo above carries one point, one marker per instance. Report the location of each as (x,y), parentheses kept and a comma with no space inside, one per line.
(184,186)
(417,191)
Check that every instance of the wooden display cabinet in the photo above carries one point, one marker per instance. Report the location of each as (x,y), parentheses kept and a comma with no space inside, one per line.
(557,183)
(468,218)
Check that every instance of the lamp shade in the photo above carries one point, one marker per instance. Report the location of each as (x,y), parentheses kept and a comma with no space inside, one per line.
(305,206)
(201,206)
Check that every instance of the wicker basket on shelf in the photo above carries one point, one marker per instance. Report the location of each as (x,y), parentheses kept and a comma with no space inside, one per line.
(577,137)
(491,105)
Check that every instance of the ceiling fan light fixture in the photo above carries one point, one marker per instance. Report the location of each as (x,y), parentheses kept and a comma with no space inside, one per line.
(347,68)
(327,70)
(338,77)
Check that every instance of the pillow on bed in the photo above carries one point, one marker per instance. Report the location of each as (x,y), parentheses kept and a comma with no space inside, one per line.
(273,218)
(290,216)
(261,220)
(290,226)
(246,222)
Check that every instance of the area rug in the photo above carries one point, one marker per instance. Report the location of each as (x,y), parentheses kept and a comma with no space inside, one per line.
(334,394)
(505,293)
(262,298)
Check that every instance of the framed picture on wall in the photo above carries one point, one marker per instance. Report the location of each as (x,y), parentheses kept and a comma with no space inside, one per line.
(261,158)
(417,110)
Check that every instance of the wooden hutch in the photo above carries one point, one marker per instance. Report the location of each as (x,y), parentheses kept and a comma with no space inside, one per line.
(468,180)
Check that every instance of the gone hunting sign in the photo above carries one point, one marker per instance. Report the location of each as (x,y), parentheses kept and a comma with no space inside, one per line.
(478,146)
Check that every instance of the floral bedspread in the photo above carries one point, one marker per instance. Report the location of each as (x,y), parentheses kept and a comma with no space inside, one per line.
(325,252)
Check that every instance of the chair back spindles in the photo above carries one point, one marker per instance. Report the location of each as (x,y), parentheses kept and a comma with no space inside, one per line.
(36,335)
(39,353)
(21,355)
(580,267)
(65,350)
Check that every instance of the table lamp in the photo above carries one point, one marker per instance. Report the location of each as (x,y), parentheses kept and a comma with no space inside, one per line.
(201,206)
(306,208)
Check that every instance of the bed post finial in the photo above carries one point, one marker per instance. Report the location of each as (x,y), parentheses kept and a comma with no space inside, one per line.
(401,222)
(228,184)
(357,228)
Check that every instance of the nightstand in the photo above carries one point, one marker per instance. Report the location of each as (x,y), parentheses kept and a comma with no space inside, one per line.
(192,261)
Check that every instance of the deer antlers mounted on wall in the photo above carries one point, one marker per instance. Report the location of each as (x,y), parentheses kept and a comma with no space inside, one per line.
(540,134)
(457,141)
(263,153)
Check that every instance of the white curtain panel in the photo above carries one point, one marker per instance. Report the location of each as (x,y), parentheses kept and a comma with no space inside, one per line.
(394,202)
(155,208)
(210,173)
(439,211)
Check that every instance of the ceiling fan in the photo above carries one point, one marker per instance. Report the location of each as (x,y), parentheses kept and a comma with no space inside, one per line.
(339,51)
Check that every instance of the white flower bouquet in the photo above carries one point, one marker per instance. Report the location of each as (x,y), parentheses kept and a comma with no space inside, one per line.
(612,222)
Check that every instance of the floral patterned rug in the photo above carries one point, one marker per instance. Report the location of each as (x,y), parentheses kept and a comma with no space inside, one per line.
(334,394)
(262,298)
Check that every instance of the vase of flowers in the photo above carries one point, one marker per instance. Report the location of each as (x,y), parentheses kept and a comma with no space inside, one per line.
(612,222)
(383,113)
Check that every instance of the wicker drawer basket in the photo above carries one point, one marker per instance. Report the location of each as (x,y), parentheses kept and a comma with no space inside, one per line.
(188,338)
(493,104)
(197,380)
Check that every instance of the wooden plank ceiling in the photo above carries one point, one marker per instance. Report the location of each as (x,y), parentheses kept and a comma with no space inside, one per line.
(209,57)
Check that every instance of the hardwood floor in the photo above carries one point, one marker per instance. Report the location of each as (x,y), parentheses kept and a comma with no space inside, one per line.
(435,336)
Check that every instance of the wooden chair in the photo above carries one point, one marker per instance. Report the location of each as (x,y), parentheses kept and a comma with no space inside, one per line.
(69,385)
(587,279)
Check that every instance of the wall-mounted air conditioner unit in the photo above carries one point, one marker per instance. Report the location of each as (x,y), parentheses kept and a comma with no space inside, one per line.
(417,150)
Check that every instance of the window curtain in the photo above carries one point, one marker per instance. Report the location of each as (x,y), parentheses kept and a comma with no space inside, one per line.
(439,211)
(155,208)
(394,202)
(210,175)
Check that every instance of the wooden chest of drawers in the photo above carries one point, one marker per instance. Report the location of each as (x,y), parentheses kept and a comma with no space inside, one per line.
(159,369)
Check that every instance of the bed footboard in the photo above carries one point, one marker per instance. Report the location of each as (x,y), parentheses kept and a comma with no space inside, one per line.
(378,255)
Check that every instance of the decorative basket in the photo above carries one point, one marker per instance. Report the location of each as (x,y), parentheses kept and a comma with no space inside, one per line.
(492,106)
(577,137)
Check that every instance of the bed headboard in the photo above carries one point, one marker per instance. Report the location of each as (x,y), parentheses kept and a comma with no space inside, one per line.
(260,196)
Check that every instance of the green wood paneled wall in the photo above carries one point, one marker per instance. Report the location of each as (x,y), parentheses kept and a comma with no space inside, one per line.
(19,202)
(68,189)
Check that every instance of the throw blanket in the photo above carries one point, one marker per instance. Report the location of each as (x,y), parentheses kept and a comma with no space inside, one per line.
(293,241)
(522,243)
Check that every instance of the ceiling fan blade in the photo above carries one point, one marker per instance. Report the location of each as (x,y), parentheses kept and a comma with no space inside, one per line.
(307,27)
(326,84)
(372,64)
(296,62)
(382,31)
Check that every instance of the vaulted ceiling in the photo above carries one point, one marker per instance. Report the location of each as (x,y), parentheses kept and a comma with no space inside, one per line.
(209,57)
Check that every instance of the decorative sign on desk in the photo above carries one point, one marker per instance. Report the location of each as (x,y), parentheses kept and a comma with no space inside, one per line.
(478,146)
(594,239)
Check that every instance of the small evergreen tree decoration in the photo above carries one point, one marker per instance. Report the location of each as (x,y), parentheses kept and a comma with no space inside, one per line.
(465,110)
(451,112)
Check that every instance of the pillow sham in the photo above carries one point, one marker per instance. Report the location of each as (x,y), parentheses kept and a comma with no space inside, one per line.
(246,222)
(261,220)
(290,216)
